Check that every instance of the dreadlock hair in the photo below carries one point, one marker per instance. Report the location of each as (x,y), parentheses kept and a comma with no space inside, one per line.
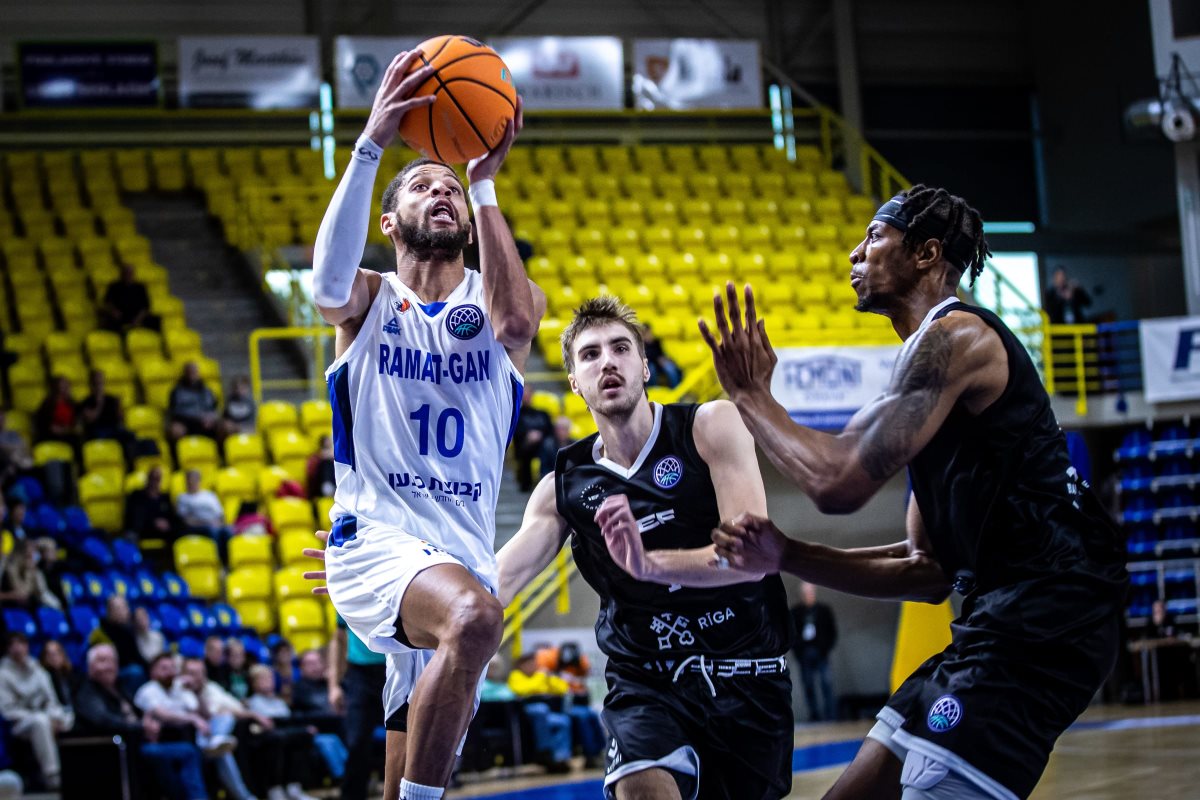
(599,311)
(932,210)
(392,190)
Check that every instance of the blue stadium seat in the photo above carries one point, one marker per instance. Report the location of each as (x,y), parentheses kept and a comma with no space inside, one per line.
(203,621)
(28,489)
(18,620)
(191,647)
(174,622)
(97,551)
(227,619)
(177,589)
(76,521)
(46,520)
(77,653)
(84,620)
(151,587)
(53,624)
(127,555)
(73,589)
(124,585)
(255,649)
(98,587)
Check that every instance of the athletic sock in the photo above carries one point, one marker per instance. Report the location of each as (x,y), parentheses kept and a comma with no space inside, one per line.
(417,791)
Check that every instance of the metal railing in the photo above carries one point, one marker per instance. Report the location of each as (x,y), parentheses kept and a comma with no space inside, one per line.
(316,339)
(1090,360)
(553,583)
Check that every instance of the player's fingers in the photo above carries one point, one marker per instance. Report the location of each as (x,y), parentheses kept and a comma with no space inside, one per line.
(323,536)
(751,311)
(725,543)
(315,575)
(412,82)
(722,321)
(401,62)
(404,106)
(706,335)
(520,115)
(762,334)
(313,552)
(735,311)
(320,590)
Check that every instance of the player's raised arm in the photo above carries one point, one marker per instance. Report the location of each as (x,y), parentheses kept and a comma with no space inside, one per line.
(515,304)
(954,358)
(341,290)
(534,546)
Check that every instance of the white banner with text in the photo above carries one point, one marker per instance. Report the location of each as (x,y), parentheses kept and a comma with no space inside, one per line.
(1171,358)
(823,387)
(249,71)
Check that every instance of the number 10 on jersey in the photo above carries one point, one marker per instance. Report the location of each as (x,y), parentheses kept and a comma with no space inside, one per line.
(449,431)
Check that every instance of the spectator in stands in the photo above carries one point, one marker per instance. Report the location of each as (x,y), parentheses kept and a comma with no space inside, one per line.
(11,785)
(126,304)
(238,416)
(216,668)
(283,662)
(238,676)
(569,663)
(310,693)
(102,416)
(192,407)
(551,729)
(55,419)
(103,709)
(319,471)
(15,456)
(495,686)
(148,512)
(562,431)
(1065,300)
(28,702)
(175,703)
(14,521)
(23,583)
(356,678)
(662,368)
(150,643)
(116,629)
(54,660)
(297,740)
(52,568)
(201,512)
(533,438)
(816,634)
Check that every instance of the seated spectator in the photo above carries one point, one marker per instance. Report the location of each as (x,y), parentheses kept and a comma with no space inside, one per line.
(298,740)
(320,475)
(54,660)
(533,438)
(28,702)
(569,663)
(1065,300)
(51,567)
(200,511)
(495,688)
(283,662)
(116,629)
(55,419)
(14,522)
(102,416)
(238,416)
(192,407)
(310,693)
(215,666)
(148,512)
(15,457)
(551,729)
(126,304)
(662,368)
(103,709)
(238,676)
(562,431)
(150,643)
(23,583)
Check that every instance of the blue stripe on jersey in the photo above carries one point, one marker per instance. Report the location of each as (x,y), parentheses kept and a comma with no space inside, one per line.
(343,423)
(518,392)
(432,309)
(345,529)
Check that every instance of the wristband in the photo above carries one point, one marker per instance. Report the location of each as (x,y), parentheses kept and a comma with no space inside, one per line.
(367,151)
(483,193)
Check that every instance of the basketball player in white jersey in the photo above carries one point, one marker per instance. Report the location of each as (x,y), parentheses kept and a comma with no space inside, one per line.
(425,388)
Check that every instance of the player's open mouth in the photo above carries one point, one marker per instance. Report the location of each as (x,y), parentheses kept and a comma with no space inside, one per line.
(610,383)
(442,210)
(856,278)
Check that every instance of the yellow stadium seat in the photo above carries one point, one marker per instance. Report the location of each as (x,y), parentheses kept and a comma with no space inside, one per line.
(290,582)
(141,343)
(751,268)
(730,210)
(818,264)
(287,512)
(702,183)
(303,641)
(182,343)
(203,581)
(194,551)
(62,345)
(269,479)
(157,377)
(45,452)
(28,381)
(248,583)
(769,184)
(756,237)
(289,445)
(292,543)
(812,295)
(696,211)
(245,450)
(801,183)
(316,416)
(276,414)
(145,422)
(691,237)
(737,184)
(20,422)
(823,235)
(99,453)
(301,614)
(324,506)
(763,211)
(197,452)
(250,549)
(103,501)
(256,614)
(627,211)
(548,402)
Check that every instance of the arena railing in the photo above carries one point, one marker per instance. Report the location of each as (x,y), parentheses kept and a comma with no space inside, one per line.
(552,584)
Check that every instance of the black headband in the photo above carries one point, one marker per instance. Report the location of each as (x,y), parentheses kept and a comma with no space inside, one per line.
(957,247)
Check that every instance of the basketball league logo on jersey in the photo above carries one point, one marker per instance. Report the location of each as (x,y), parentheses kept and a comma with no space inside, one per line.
(465,321)
(668,471)
(944,714)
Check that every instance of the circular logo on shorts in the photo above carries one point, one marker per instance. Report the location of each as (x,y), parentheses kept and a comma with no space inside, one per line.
(592,496)
(944,714)
(668,471)
(464,322)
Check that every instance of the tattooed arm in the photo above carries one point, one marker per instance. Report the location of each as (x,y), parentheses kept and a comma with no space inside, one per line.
(957,358)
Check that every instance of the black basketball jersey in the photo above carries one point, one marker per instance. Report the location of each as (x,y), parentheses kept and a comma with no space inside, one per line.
(1008,517)
(671,495)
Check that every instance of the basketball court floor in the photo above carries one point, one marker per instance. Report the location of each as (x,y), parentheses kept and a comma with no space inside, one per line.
(1112,753)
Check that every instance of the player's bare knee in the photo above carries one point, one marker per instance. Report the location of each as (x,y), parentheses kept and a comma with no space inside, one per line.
(474,625)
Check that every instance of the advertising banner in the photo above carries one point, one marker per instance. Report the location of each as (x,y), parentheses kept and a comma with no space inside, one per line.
(1171,358)
(359,63)
(822,387)
(680,74)
(566,72)
(88,74)
(259,72)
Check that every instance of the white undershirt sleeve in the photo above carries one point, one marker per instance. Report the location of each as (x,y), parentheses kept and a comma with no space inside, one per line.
(343,232)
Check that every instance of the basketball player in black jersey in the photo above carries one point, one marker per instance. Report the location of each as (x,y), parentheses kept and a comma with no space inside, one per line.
(997,513)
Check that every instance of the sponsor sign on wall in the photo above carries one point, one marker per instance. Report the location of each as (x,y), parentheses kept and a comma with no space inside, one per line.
(566,72)
(249,71)
(696,73)
(88,74)
(1171,358)
(359,64)
(823,387)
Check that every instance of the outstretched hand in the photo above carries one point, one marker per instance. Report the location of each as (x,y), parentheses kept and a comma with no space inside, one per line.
(487,165)
(751,543)
(394,98)
(622,535)
(743,357)
(319,555)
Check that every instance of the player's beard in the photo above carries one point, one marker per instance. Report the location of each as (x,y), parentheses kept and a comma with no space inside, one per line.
(427,244)
(621,407)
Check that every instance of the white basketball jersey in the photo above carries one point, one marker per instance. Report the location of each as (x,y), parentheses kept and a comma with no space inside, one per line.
(424,404)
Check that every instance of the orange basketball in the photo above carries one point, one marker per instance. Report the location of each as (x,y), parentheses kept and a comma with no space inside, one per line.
(475,100)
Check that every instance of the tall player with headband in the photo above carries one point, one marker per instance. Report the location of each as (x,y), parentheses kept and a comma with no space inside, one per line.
(425,387)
